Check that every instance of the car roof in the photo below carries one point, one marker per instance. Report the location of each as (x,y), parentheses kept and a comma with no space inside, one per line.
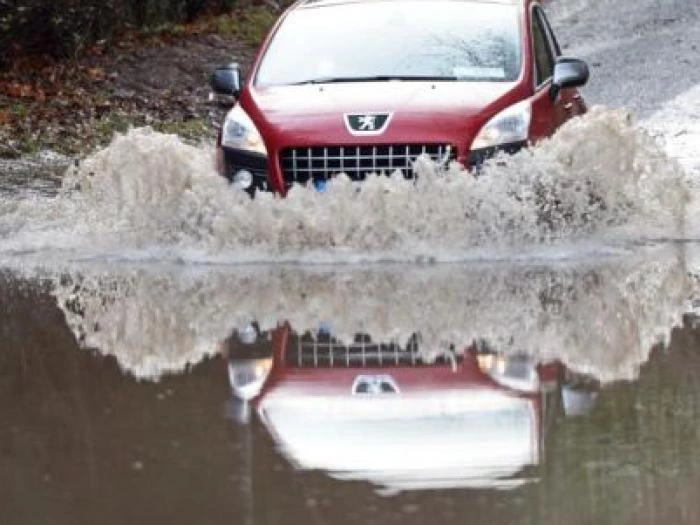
(323,3)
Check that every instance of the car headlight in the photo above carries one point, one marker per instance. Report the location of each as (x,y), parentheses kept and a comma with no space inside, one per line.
(516,372)
(239,132)
(248,334)
(247,376)
(511,125)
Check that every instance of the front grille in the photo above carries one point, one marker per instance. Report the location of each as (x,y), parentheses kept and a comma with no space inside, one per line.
(320,163)
(324,351)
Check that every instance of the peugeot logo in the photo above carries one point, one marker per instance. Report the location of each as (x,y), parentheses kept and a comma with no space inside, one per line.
(374,385)
(367,123)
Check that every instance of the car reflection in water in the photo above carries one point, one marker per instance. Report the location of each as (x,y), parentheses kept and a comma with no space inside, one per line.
(388,415)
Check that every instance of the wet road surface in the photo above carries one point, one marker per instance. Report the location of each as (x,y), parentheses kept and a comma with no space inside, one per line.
(502,393)
(84,443)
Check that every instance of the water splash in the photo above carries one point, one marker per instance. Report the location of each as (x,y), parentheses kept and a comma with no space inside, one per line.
(598,318)
(149,196)
(677,125)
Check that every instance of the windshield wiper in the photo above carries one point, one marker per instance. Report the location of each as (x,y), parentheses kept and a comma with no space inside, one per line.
(373,78)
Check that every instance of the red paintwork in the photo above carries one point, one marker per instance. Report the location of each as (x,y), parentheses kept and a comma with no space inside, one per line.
(338,381)
(424,112)
(287,379)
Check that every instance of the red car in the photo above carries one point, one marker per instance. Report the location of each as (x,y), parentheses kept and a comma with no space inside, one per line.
(380,412)
(367,86)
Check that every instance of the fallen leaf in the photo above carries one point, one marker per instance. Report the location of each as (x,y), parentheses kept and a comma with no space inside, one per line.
(4,117)
(17,90)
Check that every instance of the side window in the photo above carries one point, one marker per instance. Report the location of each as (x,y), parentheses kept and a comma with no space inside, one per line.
(552,38)
(544,58)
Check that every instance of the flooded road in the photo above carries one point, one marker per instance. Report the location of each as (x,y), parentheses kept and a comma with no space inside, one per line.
(550,392)
(522,347)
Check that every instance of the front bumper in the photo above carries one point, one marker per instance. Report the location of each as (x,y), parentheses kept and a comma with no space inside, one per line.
(478,157)
(235,160)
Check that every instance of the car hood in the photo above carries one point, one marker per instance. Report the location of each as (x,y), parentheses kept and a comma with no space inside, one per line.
(479,438)
(428,111)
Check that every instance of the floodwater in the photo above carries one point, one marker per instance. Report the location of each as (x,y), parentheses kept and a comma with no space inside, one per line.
(522,347)
(537,392)
(518,348)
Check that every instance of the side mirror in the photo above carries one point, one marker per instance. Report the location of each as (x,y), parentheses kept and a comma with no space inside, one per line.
(226,80)
(568,73)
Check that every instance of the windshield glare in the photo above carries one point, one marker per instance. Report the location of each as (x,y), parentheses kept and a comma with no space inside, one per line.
(440,40)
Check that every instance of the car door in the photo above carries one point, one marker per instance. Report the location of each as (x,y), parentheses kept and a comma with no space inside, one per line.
(547,114)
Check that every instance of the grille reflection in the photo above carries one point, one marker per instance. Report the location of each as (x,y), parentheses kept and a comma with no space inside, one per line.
(324,351)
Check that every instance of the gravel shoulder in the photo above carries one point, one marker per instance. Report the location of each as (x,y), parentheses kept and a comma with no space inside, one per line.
(70,108)
(643,53)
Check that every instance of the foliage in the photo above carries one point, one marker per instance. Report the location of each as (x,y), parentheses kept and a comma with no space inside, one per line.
(66,28)
(74,72)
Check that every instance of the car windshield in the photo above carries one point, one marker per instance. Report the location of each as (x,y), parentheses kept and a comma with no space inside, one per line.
(395,40)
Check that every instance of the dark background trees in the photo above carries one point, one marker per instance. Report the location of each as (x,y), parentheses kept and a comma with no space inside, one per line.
(65,28)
